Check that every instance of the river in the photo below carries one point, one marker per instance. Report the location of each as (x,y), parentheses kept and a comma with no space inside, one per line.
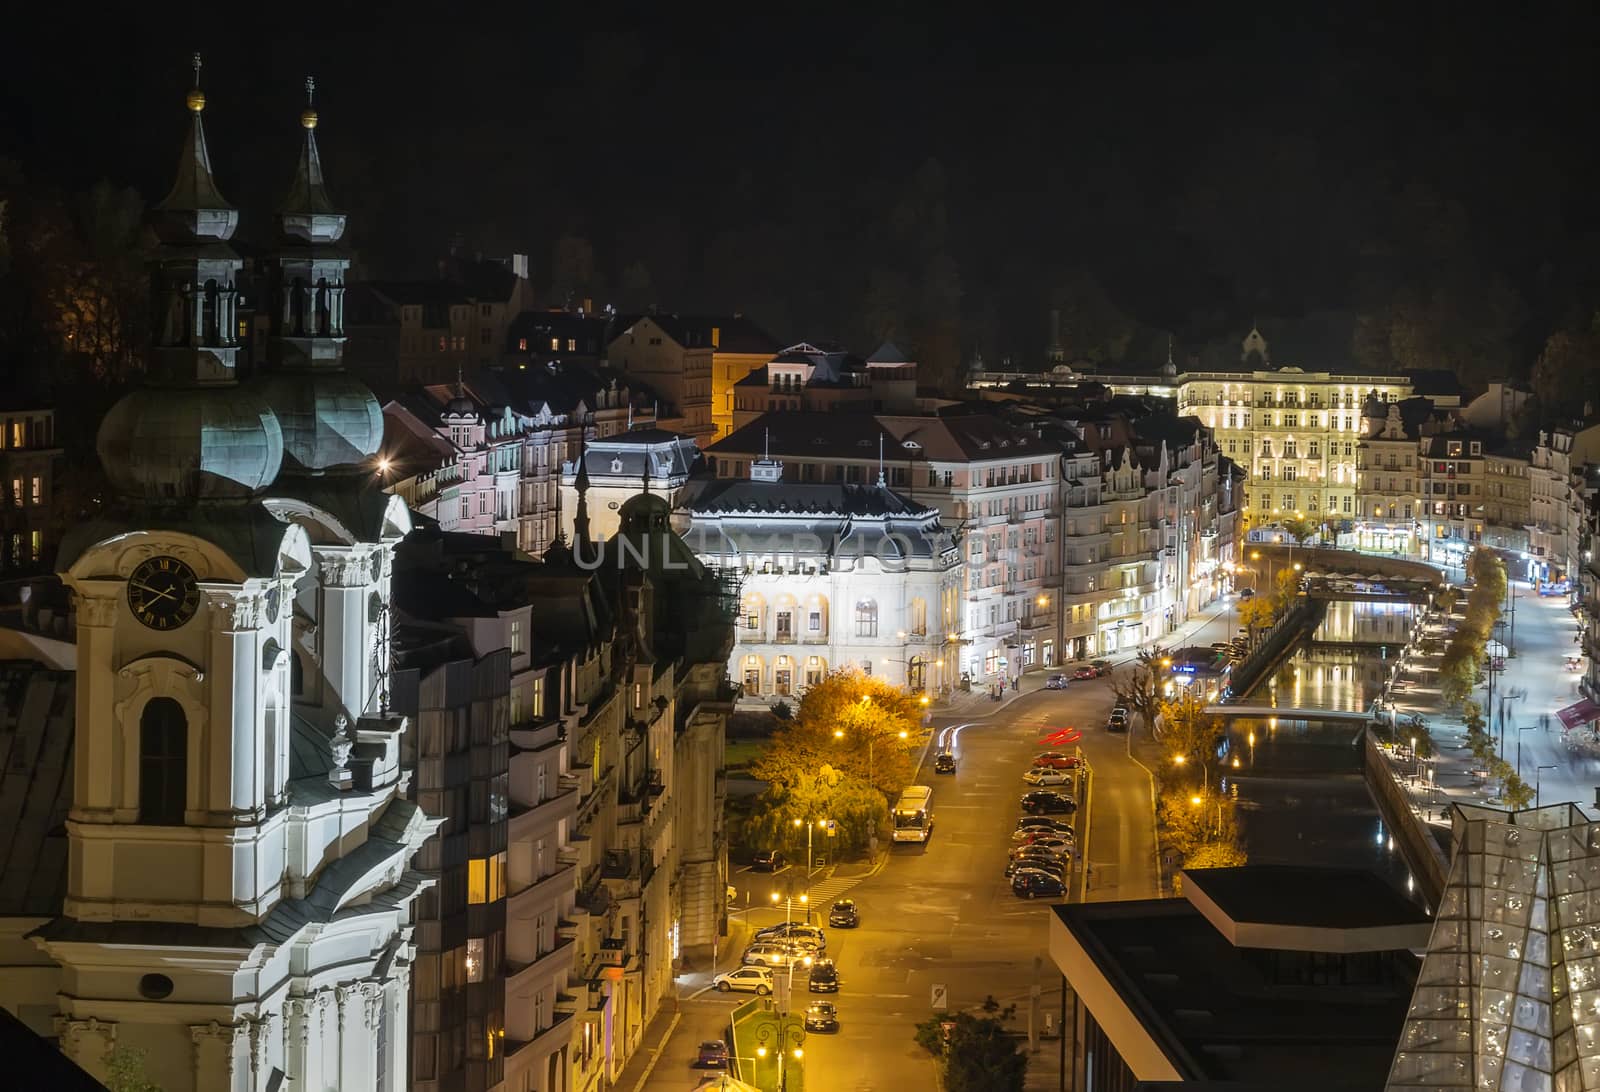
(1301,797)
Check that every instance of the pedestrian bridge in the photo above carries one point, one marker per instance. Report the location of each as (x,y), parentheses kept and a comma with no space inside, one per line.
(1283,712)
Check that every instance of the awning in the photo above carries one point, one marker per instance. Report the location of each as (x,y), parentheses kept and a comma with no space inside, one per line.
(1580,713)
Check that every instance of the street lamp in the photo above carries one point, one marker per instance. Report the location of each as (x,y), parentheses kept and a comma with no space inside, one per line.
(1205,772)
(788,906)
(786,1036)
(1538,775)
(798,823)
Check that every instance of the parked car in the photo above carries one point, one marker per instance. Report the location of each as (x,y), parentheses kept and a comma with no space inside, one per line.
(1085,673)
(1032,883)
(756,980)
(1049,843)
(1102,666)
(1118,720)
(781,929)
(944,762)
(794,932)
(1047,802)
(1044,823)
(824,977)
(1056,760)
(1053,865)
(1056,682)
(822,1016)
(768,860)
(775,954)
(713,1055)
(1046,775)
(1247,593)
(844,915)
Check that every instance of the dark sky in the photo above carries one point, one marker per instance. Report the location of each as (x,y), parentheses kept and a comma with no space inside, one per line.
(1170,150)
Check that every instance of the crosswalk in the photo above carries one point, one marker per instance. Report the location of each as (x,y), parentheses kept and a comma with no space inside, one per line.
(830,889)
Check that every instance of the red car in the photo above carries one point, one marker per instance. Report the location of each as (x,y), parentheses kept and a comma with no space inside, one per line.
(1056,760)
(1086,673)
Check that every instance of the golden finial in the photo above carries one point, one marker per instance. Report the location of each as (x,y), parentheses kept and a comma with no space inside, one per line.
(308,116)
(197,97)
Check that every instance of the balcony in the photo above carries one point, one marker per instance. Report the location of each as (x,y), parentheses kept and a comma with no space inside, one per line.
(520,904)
(525,819)
(519,978)
(543,1044)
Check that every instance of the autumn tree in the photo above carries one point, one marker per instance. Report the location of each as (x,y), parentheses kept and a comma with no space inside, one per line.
(1189,737)
(1257,612)
(1301,528)
(976,1053)
(1139,689)
(797,797)
(860,725)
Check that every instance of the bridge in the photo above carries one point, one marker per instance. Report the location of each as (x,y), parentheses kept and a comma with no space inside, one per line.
(1282,712)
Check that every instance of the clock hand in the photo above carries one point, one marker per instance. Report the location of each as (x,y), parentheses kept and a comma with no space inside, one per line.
(158,594)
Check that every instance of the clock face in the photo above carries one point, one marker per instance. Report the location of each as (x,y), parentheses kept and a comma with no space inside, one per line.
(163,593)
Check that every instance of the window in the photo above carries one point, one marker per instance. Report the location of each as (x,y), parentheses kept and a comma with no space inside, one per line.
(572,344)
(163,763)
(814,621)
(752,620)
(474,959)
(867,618)
(466,507)
(1289,473)
(516,636)
(536,708)
(522,344)
(486,879)
(16,492)
(1288,500)
(486,336)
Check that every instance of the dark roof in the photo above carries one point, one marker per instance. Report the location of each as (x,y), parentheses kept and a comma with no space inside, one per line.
(734,333)
(488,281)
(970,434)
(247,533)
(812,434)
(1330,898)
(1219,1013)
(34,1062)
(36,710)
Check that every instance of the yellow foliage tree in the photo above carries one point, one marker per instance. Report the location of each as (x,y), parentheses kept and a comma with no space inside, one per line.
(859,725)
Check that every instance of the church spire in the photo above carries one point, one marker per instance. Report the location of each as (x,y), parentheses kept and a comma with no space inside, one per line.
(193,209)
(308,214)
(580,517)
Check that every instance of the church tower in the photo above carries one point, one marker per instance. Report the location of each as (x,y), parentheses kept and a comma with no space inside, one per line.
(237,897)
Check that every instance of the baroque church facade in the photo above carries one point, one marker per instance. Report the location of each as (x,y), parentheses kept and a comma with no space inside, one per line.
(238,888)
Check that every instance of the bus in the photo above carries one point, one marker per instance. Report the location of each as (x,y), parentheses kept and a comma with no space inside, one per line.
(913,814)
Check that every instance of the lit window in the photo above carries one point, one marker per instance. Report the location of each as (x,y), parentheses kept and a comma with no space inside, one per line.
(537,709)
(475,964)
(516,636)
(522,344)
(486,879)
(555,344)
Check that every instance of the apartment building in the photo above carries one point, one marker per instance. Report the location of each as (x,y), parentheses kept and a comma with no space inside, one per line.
(486,455)
(1294,431)
(1389,474)
(1556,487)
(833,575)
(620,466)
(997,483)
(28,457)
(434,331)
(827,379)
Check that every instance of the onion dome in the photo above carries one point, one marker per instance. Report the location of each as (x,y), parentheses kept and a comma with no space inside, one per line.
(330,420)
(166,445)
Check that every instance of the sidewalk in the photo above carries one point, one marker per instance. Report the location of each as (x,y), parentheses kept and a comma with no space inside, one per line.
(977,703)
(657,1037)
(1533,686)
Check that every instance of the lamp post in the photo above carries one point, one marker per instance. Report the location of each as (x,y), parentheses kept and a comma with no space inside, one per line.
(785,1036)
(1538,776)
(809,825)
(788,906)
(1205,772)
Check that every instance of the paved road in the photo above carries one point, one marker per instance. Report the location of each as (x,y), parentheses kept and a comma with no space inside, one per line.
(943,913)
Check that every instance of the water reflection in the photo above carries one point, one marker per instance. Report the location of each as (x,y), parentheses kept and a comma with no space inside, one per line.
(1301,796)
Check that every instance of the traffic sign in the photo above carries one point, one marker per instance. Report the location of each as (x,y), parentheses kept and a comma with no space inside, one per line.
(938,997)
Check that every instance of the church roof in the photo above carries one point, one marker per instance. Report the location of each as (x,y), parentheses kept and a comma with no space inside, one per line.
(249,534)
(194,211)
(36,709)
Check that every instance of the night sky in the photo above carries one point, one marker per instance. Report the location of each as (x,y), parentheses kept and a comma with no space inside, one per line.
(1206,163)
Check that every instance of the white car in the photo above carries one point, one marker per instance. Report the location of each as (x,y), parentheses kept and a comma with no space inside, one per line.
(778,955)
(756,980)
(1044,775)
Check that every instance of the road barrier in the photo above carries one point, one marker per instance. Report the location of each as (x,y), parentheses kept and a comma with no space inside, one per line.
(1415,837)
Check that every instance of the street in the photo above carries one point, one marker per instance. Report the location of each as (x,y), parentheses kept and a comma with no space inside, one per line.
(943,913)
(1537,673)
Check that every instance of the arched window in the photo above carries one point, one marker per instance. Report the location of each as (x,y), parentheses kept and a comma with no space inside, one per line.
(917,617)
(867,618)
(163,763)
